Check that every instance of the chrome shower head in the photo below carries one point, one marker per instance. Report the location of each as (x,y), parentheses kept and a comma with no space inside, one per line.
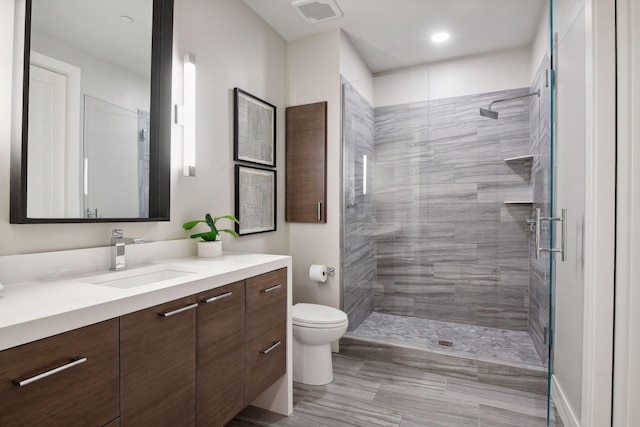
(488,113)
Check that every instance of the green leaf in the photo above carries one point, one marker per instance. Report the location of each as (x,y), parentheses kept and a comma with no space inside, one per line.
(189,225)
(232,232)
(208,236)
(210,222)
(231,217)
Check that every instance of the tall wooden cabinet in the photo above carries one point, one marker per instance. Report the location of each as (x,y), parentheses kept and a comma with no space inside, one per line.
(306,175)
(158,365)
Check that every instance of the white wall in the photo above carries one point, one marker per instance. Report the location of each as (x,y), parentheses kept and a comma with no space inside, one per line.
(540,46)
(493,71)
(313,73)
(234,47)
(100,79)
(354,70)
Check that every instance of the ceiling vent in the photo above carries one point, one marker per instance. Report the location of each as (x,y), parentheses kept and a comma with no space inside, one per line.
(315,11)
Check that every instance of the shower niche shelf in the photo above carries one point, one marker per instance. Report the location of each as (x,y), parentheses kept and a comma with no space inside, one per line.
(519,159)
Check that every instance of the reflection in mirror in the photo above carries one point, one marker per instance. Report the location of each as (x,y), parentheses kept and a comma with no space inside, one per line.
(96,136)
(84,143)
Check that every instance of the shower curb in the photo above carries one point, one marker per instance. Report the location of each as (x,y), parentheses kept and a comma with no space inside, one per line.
(503,374)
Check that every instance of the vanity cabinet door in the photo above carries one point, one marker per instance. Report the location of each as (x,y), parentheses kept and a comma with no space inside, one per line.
(220,355)
(266,302)
(69,379)
(265,361)
(158,365)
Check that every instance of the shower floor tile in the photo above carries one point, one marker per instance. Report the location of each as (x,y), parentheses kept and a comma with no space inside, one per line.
(469,340)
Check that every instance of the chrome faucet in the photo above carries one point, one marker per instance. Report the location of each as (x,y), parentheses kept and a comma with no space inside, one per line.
(118,242)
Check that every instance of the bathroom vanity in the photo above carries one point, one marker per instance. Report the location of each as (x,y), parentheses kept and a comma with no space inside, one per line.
(203,340)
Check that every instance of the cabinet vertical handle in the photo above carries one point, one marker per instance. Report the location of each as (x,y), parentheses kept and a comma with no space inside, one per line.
(219,297)
(270,349)
(180,310)
(271,289)
(319,211)
(21,382)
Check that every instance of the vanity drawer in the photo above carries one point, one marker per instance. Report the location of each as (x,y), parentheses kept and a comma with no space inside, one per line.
(82,391)
(220,355)
(266,302)
(265,361)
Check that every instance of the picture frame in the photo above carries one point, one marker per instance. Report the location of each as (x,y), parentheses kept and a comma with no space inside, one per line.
(254,125)
(255,199)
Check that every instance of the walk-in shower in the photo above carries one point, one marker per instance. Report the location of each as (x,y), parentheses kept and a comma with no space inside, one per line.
(491,114)
(437,252)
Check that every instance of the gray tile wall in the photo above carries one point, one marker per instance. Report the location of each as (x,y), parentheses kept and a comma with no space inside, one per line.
(358,218)
(447,247)
(540,140)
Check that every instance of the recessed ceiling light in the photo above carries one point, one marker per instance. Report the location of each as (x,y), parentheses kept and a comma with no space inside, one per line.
(127,19)
(440,37)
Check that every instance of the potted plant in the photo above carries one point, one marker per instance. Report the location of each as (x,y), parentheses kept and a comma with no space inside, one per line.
(211,245)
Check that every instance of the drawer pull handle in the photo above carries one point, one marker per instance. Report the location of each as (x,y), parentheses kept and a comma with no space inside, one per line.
(270,349)
(21,382)
(273,288)
(219,297)
(180,310)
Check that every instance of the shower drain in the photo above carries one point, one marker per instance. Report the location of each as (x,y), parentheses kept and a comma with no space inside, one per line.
(445,343)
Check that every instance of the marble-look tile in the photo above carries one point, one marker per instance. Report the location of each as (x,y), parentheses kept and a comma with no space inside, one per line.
(328,409)
(405,396)
(358,243)
(440,174)
(432,409)
(525,403)
(443,364)
(403,377)
(534,381)
(490,416)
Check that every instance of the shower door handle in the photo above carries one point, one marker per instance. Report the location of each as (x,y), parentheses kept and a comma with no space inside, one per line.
(563,239)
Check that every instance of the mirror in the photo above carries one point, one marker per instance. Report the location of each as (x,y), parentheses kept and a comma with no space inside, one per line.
(94,112)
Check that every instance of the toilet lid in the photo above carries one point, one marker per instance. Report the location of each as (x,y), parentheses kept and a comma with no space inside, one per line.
(317,314)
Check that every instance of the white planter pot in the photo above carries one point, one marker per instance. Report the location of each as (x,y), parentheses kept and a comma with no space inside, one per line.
(209,249)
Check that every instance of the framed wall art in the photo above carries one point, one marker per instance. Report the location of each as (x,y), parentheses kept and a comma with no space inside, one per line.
(255,200)
(254,129)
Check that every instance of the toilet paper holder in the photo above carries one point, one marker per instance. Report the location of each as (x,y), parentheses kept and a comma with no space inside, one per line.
(331,271)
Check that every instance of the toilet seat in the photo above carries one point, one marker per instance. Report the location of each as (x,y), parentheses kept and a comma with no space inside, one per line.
(318,316)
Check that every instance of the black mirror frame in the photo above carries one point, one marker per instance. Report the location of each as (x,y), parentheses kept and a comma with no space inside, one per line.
(160,119)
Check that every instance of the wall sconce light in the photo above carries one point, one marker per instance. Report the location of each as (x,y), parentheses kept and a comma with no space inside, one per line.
(364,174)
(188,119)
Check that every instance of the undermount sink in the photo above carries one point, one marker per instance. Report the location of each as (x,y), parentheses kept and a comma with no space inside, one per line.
(137,277)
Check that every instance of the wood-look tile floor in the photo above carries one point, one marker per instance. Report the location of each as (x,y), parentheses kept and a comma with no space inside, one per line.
(367,393)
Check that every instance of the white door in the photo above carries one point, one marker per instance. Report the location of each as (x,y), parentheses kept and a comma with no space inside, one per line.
(47,140)
(584,185)
(570,195)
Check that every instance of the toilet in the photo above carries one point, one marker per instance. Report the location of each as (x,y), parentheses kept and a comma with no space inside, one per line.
(315,327)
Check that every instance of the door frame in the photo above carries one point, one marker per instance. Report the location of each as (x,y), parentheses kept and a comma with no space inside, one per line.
(600,226)
(627,304)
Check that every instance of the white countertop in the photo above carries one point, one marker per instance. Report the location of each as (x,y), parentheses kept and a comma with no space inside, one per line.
(36,309)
